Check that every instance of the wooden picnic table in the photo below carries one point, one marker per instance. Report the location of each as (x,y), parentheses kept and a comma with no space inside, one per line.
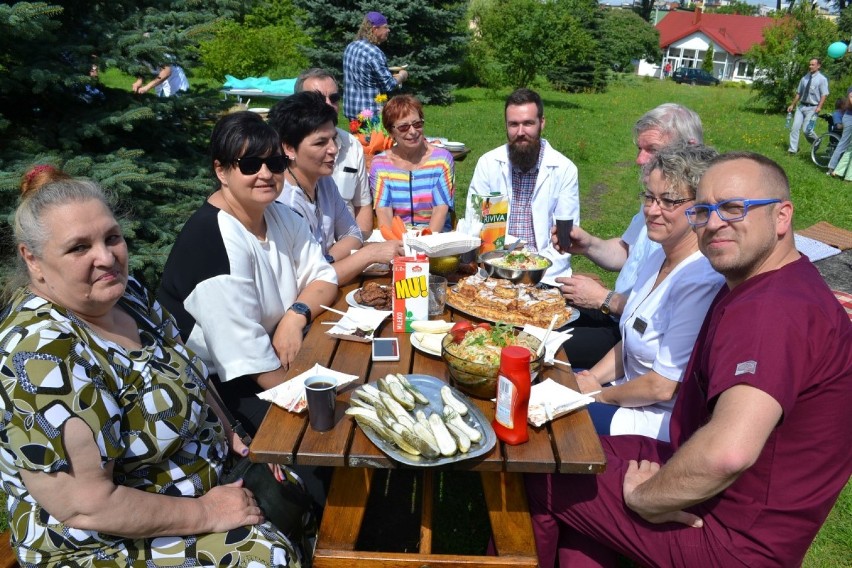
(568,445)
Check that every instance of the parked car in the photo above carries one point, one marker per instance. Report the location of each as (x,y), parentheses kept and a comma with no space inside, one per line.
(694,76)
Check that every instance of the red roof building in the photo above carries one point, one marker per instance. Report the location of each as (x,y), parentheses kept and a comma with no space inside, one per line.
(685,38)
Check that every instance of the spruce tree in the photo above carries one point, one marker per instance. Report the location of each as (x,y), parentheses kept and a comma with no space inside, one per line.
(149,152)
(430,37)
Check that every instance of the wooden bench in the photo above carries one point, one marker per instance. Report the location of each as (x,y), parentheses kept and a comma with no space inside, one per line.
(346,505)
(7,555)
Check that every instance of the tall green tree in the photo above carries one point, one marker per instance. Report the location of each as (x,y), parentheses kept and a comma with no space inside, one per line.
(782,59)
(515,43)
(625,37)
(736,7)
(429,36)
(707,62)
(149,152)
(267,42)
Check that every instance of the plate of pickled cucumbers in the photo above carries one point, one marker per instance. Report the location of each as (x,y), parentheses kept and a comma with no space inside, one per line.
(420,420)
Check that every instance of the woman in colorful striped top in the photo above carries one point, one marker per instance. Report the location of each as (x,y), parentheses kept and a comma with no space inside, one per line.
(414,179)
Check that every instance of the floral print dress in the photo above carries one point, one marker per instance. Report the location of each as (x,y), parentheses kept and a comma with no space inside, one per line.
(148,414)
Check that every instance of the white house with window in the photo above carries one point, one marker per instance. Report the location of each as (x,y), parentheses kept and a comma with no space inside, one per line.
(685,38)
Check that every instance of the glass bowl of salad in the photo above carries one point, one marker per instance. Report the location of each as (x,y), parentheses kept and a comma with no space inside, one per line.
(519,267)
(472,353)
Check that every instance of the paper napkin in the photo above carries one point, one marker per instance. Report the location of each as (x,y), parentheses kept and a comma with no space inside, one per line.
(554,340)
(443,244)
(290,395)
(550,400)
(366,319)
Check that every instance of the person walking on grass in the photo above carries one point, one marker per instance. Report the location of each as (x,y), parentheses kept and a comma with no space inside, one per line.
(808,100)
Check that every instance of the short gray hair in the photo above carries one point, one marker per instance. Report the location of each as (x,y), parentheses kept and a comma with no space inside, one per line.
(680,124)
(313,73)
(682,166)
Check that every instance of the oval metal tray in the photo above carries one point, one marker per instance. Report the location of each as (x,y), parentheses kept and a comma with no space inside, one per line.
(431,388)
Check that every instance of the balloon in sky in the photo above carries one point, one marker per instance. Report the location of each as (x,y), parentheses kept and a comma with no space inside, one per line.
(836,50)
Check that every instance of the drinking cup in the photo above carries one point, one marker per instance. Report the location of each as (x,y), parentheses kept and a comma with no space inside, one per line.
(437,294)
(321,393)
(563,233)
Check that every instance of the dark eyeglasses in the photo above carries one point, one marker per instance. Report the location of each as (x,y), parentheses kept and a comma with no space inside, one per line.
(728,210)
(664,203)
(250,165)
(333,98)
(417,124)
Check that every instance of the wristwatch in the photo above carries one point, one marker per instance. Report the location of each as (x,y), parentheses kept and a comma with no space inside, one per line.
(605,306)
(329,259)
(303,310)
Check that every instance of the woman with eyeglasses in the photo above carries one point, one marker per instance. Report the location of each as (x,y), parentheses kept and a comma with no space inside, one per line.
(245,277)
(305,124)
(639,378)
(413,180)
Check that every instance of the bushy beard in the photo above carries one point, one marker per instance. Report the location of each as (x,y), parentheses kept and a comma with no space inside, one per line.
(524,156)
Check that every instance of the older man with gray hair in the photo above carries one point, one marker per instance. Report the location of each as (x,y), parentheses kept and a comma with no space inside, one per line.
(596,332)
(350,174)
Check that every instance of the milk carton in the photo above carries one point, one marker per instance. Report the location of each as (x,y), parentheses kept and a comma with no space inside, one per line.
(410,291)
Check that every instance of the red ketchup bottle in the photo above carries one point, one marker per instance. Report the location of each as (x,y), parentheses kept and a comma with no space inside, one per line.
(513,395)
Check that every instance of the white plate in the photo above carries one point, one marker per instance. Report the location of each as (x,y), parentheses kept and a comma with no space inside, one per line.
(417,345)
(454,145)
(259,110)
(350,299)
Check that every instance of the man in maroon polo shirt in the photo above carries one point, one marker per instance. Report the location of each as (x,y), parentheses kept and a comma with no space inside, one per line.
(760,431)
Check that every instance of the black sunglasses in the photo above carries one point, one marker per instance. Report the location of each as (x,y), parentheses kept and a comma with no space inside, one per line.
(333,98)
(250,165)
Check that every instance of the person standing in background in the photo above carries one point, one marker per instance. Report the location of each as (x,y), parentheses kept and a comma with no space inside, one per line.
(809,98)
(350,171)
(365,67)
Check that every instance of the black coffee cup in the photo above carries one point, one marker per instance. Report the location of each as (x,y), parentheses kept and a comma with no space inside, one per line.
(563,233)
(321,393)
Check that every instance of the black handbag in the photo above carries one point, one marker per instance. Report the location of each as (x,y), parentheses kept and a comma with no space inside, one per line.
(286,504)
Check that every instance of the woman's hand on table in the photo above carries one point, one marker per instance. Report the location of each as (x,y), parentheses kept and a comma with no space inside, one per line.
(230,506)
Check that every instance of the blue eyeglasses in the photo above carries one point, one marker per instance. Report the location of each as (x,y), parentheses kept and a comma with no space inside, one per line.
(728,210)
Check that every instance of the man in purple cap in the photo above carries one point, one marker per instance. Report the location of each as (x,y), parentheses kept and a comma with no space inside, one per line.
(365,67)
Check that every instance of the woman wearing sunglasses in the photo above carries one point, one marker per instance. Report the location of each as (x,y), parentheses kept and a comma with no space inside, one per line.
(413,180)
(245,277)
(305,123)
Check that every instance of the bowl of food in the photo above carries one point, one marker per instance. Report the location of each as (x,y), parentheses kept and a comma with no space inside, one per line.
(472,354)
(519,267)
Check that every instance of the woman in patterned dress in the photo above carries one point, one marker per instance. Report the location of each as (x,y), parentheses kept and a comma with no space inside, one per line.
(413,180)
(110,449)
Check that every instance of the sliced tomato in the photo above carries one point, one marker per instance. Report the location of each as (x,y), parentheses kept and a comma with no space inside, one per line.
(460,329)
(483,325)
